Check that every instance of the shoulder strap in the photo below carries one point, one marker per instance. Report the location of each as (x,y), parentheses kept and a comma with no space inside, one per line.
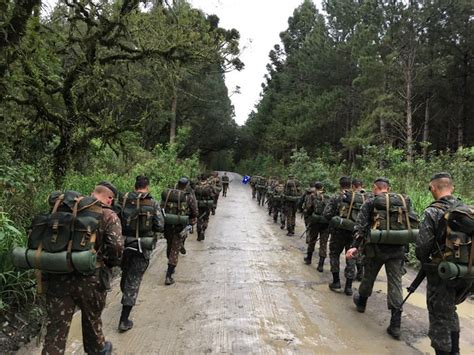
(59,200)
(387,208)
(351,205)
(406,211)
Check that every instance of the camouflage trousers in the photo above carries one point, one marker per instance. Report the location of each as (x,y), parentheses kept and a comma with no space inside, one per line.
(260,197)
(278,209)
(174,242)
(442,296)
(203,222)
(341,241)
(290,213)
(312,234)
(394,268)
(134,265)
(225,187)
(254,191)
(63,294)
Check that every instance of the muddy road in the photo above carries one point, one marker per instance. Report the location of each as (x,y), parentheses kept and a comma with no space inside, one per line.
(245,289)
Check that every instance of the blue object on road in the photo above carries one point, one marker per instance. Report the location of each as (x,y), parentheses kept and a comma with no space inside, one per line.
(246,179)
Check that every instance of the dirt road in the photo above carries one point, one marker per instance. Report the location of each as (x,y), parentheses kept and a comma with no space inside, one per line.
(245,289)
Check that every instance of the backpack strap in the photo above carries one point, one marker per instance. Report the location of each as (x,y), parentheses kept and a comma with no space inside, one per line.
(387,208)
(406,211)
(124,201)
(179,202)
(167,198)
(38,274)
(351,205)
(59,200)
(137,229)
(70,265)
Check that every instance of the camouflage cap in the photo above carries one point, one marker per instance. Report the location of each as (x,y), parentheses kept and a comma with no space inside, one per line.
(382,179)
(318,184)
(183,181)
(109,185)
(441,175)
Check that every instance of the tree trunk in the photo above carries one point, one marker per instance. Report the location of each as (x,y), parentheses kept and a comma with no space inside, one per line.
(174,105)
(409,118)
(62,157)
(426,127)
(464,97)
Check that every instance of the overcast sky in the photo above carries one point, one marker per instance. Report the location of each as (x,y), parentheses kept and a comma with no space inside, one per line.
(259,23)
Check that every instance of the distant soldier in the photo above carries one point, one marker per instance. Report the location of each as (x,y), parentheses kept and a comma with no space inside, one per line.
(216,184)
(180,212)
(261,190)
(225,184)
(141,218)
(386,211)
(277,203)
(357,186)
(65,292)
(253,186)
(292,195)
(271,183)
(341,237)
(442,228)
(317,226)
(205,199)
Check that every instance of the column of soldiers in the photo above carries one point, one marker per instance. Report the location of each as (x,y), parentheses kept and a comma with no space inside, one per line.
(365,226)
(129,225)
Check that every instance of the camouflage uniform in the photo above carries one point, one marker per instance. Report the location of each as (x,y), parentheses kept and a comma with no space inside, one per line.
(225,185)
(277,204)
(216,183)
(340,239)
(253,186)
(291,189)
(204,212)
(261,191)
(314,229)
(135,263)
(88,292)
(378,255)
(173,239)
(442,296)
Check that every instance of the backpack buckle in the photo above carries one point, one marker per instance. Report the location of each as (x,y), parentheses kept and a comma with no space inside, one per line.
(55,228)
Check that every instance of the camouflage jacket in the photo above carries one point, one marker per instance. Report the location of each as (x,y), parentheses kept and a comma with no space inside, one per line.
(109,238)
(430,230)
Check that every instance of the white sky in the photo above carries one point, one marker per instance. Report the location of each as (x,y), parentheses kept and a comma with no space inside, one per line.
(259,23)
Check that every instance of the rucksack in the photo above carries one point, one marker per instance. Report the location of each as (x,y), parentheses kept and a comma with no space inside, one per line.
(351,204)
(319,202)
(203,191)
(392,212)
(175,206)
(63,240)
(292,188)
(137,212)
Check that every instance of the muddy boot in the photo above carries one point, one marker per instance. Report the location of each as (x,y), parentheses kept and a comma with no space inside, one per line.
(441,352)
(182,251)
(360,302)
(308,257)
(320,267)
(360,272)
(282,226)
(455,343)
(107,348)
(200,236)
(395,321)
(336,282)
(125,323)
(169,279)
(348,287)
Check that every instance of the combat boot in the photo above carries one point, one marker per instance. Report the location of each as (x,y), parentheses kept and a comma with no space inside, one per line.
(125,323)
(348,287)
(395,321)
(320,267)
(200,236)
(336,282)
(308,257)
(455,343)
(360,302)
(169,278)
(182,251)
(107,348)
(441,352)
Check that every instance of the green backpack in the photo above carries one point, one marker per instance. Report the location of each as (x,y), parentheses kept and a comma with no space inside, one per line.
(63,240)
(175,206)
(392,212)
(351,204)
(203,192)
(457,251)
(137,212)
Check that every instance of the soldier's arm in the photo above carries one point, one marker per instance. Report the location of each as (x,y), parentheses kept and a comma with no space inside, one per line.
(112,239)
(363,222)
(158,218)
(331,208)
(427,236)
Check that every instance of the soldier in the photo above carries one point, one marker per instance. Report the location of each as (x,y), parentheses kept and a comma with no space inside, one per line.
(378,255)
(269,194)
(442,295)
(183,205)
(225,184)
(277,203)
(313,208)
(340,238)
(261,190)
(253,186)
(136,259)
(65,292)
(357,186)
(292,195)
(216,184)
(205,198)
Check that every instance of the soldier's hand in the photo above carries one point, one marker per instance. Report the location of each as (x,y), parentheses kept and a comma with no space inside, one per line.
(351,253)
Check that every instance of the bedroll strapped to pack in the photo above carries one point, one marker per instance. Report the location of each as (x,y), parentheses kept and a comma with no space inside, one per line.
(317,218)
(147,243)
(137,212)
(458,248)
(398,237)
(175,206)
(342,223)
(205,203)
(64,240)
